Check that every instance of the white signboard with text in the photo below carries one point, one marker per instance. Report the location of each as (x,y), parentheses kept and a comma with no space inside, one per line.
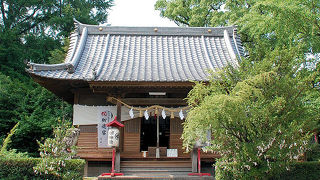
(104,117)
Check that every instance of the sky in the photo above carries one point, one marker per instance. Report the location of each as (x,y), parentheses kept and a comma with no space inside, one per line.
(137,13)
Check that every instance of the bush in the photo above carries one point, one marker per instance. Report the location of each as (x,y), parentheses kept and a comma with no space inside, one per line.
(54,151)
(309,170)
(22,168)
(221,173)
(314,153)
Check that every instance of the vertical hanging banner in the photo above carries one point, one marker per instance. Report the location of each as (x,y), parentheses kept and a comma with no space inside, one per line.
(105,115)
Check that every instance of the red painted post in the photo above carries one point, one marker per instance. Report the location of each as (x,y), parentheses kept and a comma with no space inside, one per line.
(112,173)
(199,167)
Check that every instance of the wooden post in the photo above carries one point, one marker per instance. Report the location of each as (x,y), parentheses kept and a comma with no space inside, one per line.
(122,129)
(118,111)
(199,165)
(158,129)
(85,173)
(76,97)
(117,160)
(158,138)
(194,158)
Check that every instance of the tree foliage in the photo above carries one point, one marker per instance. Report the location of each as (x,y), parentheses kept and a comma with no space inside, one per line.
(259,125)
(33,28)
(55,151)
(261,113)
(264,25)
(34,107)
(36,31)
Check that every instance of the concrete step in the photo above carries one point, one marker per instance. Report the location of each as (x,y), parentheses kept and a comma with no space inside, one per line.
(178,169)
(156,174)
(158,177)
(157,169)
(155,164)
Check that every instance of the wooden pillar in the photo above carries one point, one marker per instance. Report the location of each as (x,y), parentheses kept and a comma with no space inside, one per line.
(158,138)
(76,97)
(121,129)
(119,111)
(158,129)
(85,170)
(194,158)
(117,161)
(117,158)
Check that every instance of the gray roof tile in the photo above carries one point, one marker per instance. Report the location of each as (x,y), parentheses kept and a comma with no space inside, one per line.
(141,54)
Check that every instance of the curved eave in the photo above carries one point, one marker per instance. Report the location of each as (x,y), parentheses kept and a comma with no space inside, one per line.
(62,88)
(119,83)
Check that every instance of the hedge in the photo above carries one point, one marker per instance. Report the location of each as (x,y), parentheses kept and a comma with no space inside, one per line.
(22,168)
(309,170)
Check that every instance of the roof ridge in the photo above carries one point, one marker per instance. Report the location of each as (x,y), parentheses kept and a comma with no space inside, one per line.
(153,30)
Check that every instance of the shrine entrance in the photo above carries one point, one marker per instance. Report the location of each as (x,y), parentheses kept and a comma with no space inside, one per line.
(149,132)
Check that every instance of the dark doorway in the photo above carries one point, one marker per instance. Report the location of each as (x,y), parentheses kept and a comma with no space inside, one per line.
(148,135)
(164,132)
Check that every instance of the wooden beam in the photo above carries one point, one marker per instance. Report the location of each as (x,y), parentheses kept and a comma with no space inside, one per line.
(153,101)
(125,91)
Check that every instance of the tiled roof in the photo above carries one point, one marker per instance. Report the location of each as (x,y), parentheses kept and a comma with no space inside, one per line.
(162,54)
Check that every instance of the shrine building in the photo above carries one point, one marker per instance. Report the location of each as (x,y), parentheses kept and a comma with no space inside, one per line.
(142,75)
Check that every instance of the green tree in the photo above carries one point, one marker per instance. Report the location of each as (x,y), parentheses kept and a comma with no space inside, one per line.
(34,31)
(259,125)
(30,29)
(271,101)
(264,25)
(190,12)
(34,107)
